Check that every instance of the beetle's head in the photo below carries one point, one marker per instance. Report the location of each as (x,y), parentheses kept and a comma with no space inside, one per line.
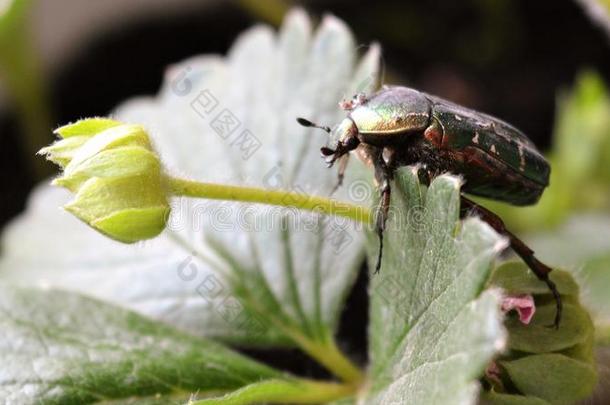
(345,138)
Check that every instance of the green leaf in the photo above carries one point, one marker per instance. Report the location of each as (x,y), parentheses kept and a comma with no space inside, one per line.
(553,377)
(63,348)
(228,271)
(432,332)
(514,278)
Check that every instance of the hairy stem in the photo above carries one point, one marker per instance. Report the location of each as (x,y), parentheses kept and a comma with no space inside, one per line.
(289,199)
(295,391)
(330,356)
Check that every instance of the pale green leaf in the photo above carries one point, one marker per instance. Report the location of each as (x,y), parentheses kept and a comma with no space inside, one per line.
(432,332)
(58,347)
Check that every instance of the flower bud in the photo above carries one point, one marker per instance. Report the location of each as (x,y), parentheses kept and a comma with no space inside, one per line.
(74,136)
(116,175)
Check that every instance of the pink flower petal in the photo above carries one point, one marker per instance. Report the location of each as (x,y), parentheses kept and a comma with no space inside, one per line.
(493,371)
(523,304)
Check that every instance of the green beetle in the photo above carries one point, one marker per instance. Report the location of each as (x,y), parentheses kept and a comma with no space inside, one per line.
(400,126)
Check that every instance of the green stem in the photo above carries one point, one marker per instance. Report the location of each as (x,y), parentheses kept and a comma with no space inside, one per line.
(324,351)
(289,199)
(328,354)
(298,391)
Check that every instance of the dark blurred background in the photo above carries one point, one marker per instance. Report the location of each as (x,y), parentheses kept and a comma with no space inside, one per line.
(506,57)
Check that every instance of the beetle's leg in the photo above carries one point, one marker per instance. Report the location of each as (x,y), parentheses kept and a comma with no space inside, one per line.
(343,148)
(383,175)
(343,161)
(382,217)
(540,269)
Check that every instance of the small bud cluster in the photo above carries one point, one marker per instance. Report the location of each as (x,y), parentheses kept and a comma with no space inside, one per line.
(116,176)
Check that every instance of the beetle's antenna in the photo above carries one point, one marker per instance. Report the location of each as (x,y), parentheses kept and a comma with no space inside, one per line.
(307,123)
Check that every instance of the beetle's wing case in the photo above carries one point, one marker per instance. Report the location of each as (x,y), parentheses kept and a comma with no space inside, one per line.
(505,150)
(392,110)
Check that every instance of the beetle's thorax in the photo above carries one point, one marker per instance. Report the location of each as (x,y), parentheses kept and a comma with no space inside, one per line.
(391,111)
(346,129)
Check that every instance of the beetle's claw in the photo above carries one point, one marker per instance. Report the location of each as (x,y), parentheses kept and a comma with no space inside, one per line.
(331,161)
(327,151)
(330,155)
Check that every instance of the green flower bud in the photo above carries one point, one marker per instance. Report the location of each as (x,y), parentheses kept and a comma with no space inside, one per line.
(74,136)
(116,175)
(86,127)
(543,365)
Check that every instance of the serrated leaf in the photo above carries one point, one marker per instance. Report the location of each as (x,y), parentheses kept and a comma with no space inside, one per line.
(228,271)
(58,347)
(432,332)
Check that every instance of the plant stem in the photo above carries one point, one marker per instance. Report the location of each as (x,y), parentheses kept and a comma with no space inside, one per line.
(328,354)
(294,391)
(289,199)
(323,350)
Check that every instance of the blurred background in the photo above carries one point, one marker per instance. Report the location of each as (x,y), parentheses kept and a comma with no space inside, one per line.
(540,65)
(61,60)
